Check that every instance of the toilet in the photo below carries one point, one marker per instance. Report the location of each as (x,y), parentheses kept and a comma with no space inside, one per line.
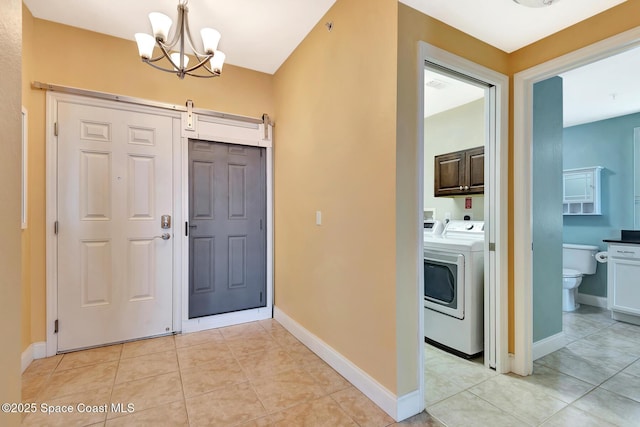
(577,260)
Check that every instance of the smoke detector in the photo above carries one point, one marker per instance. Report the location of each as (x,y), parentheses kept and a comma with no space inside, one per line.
(436,84)
(534,3)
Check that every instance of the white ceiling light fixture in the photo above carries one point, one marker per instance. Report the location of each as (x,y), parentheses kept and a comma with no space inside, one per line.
(534,3)
(178,61)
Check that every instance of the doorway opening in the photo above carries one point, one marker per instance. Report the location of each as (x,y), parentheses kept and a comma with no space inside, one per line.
(227,228)
(147,190)
(490,105)
(524,120)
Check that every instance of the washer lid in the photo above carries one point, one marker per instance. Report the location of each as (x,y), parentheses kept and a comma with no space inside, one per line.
(461,245)
(570,272)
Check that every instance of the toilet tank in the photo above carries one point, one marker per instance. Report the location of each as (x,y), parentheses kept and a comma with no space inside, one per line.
(579,257)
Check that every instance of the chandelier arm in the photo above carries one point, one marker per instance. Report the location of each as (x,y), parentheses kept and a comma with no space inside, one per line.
(187,31)
(198,65)
(166,55)
(160,68)
(217,73)
(164,52)
(156,59)
(179,31)
(201,76)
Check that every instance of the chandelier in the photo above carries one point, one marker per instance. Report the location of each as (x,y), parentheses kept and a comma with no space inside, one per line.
(173,50)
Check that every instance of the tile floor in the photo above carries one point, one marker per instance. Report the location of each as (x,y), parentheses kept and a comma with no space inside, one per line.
(258,374)
(255,374)
(593,381)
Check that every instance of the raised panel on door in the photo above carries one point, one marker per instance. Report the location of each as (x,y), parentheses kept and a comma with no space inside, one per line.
(114,182)
(95,273)
(475,170)
(227,235)
(448,174)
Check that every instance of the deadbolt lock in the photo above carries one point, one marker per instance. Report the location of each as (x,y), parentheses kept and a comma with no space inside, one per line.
(165,222)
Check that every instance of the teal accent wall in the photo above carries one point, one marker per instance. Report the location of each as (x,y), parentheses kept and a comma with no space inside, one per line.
(607,143)
(547,208)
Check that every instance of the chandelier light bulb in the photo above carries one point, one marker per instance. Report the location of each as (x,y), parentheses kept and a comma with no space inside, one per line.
(210,39)
(175,57)
(217,61)
(161,25)
(146,43)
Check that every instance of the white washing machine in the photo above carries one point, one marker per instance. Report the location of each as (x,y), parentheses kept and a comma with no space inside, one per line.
(454,288)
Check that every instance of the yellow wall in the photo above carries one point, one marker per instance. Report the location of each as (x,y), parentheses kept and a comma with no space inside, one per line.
(10,241)
(69,56)
(335,152)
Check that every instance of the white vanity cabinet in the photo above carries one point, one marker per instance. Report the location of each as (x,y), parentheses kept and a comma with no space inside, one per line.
(623,282)
(581,191)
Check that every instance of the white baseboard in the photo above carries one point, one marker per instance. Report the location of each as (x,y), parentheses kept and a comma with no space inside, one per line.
(592,300)
(509,363)
(398,407)
(548,345)
(408,405)
(37,350)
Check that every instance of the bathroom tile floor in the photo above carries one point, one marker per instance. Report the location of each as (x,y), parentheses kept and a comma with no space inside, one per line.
(593,381)
(258,374)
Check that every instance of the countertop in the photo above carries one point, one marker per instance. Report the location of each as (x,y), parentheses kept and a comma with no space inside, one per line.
(631,237)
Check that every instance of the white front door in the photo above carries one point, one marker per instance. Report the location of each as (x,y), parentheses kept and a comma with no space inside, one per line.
(114,184)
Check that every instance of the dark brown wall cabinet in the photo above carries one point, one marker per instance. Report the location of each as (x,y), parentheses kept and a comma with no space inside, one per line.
(459,173)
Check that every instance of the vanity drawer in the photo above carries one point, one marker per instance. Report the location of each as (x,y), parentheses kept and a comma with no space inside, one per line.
(624,251)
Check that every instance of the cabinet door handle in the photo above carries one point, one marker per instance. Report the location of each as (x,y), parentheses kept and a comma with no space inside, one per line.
(461,187)
(466,187)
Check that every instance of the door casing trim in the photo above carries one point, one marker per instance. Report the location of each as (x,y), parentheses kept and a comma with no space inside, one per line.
(496,204)
(242,133)
(522,363)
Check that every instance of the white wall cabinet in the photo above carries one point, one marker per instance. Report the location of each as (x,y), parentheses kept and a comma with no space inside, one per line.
(581,191)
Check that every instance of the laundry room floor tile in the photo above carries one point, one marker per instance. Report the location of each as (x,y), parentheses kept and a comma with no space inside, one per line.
(519,398)
(466,409)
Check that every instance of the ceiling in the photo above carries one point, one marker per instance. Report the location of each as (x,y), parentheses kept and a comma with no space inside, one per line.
(256,34)
(597,91)
(261,34)
(442,93)
(507,25)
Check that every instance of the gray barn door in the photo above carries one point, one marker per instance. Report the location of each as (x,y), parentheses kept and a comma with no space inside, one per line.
(227,229)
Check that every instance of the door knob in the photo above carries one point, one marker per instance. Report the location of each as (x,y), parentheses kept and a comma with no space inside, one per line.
(165,236)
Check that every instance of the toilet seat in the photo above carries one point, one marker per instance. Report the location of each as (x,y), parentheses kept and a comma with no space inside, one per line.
(569,272)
